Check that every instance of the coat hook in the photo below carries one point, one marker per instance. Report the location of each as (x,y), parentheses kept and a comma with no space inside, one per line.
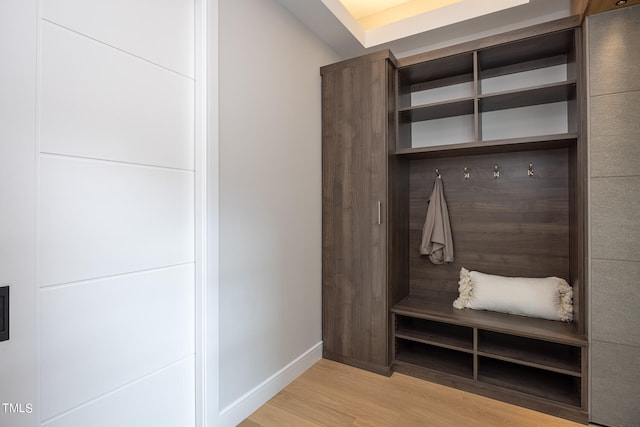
(496,172)
(530,171)
(438,173)
(467,174)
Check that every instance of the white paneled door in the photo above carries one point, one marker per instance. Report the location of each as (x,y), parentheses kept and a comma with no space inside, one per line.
(100,207)
(116,209)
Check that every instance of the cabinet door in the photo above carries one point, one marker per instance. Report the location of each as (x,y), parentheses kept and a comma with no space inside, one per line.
(354,200)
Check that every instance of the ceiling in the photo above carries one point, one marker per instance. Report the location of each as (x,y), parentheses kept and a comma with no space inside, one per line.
(442,23)
(370,14)
(362,8)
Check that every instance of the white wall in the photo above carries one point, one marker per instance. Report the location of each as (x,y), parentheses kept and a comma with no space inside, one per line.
(18,53)
(105,173)
(270,201)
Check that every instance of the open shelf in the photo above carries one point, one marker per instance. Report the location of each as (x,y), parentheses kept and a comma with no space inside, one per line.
(518,89)
(431,335)
(443,311)
(435,358)
(437,73)
(526,54)
(543,94)
(546,355)
(536,357)
(460,107)
(536,382)
(434,333)
(542,142)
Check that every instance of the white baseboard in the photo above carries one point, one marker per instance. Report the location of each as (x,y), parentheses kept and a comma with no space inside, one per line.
(237,411)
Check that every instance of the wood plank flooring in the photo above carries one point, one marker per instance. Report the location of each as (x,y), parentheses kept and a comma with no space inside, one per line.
(333,394)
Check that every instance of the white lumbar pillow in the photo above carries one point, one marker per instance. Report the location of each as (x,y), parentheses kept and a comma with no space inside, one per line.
(547,298)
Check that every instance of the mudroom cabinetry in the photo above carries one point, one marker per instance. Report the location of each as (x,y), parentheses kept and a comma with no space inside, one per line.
(500,121)
(358,128)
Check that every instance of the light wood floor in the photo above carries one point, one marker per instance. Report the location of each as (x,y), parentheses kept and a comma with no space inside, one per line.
(333,394)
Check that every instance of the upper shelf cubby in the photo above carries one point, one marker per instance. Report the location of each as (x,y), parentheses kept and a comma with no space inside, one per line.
(521,88)
(438,110)
(529,64)
(432,82)
(528,54)
(536,95)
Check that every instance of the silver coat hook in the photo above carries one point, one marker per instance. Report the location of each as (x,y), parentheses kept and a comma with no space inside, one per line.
(467,174)
(530,171)
(496,172)
(438,174)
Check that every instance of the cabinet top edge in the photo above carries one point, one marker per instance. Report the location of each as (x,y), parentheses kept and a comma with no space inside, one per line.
(372,57)
(494,40)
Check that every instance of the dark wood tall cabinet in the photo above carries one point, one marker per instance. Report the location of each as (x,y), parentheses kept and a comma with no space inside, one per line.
(356,130)
(501,121)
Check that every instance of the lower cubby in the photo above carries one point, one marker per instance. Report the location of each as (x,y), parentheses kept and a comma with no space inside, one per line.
(562,358)
(556,387)
(536,363)
(436,333)
(434,358)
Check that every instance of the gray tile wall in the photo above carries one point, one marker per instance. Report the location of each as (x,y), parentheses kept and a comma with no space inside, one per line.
(614,143)
(615,383)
